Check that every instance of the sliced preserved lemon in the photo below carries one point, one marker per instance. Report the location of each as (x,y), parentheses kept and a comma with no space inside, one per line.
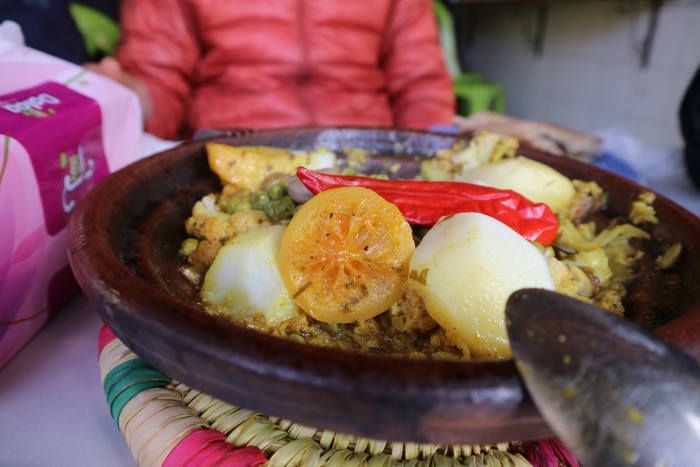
(247,166)
(345,255)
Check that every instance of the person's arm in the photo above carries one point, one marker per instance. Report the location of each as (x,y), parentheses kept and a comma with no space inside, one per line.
(159,48)
(540,135)
(420,87)
(110,67)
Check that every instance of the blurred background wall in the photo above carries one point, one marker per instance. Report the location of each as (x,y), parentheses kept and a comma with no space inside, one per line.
(582,67)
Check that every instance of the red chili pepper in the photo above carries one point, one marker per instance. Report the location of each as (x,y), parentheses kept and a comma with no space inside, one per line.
(424,203)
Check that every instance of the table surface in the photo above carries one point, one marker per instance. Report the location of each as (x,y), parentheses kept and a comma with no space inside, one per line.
(53,411)
(52,406)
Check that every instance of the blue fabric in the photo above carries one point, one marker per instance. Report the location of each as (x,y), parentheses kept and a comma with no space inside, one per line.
(450,129)
(616,165)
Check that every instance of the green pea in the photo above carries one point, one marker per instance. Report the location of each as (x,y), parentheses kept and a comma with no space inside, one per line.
(280,209)
(297,338)
(277,190)
(237,204)
(188,246)
(259,199)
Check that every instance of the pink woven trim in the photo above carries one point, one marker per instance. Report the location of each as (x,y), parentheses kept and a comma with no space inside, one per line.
(550,453)
(106,336)
(207,448)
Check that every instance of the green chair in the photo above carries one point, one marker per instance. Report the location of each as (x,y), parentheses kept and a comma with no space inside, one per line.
(474,93)
(100,33)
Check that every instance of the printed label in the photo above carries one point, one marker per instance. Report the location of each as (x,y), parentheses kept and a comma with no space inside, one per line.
(62,131)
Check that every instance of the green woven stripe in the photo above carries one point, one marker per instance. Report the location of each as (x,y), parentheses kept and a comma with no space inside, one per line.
(115,380)
(120,401)
(127,380)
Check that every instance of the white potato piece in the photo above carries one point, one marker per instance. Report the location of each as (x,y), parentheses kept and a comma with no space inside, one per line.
(465,268)
(244,278)
(317,159)
(534,180)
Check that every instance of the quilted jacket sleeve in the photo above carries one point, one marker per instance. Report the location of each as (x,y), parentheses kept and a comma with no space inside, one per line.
(420,87)
(159,46)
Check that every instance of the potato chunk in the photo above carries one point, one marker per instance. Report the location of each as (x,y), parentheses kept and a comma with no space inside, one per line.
(465,269)
(244,278)
(535,181)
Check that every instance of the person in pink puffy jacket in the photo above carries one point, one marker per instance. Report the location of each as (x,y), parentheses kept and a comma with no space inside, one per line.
(278,63)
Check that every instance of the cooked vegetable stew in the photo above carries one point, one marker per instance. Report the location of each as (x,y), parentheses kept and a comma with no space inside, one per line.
(339,258)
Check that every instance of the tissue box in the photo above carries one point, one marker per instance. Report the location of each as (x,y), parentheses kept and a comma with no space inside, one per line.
(62,129)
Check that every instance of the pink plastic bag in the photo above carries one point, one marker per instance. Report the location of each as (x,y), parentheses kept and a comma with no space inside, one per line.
(62,129)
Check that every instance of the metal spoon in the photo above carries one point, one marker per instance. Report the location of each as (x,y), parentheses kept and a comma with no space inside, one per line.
(615,393)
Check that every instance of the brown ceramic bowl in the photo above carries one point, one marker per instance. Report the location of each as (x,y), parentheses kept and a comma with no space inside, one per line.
(123,242)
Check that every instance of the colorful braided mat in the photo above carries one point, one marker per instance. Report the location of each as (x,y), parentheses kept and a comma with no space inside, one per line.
(168,424)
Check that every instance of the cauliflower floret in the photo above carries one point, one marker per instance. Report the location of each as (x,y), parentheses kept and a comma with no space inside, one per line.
(207,221)
(214,228)
(610,300)
(204,254)
(643,210)
(244,221)
(589,197)
(570,280)
(484,148)
(207,207)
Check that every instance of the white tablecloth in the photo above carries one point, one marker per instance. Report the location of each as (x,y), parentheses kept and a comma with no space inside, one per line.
(53,410)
